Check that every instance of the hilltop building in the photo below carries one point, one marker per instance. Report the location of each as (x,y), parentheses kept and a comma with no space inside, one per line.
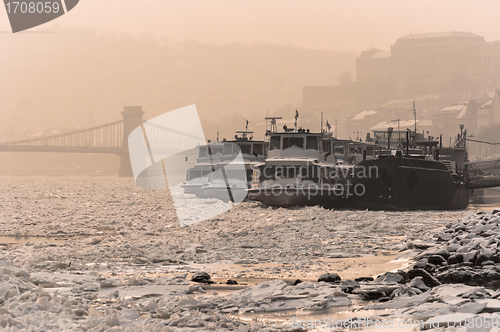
(489,113)
(431,68)
(421,63)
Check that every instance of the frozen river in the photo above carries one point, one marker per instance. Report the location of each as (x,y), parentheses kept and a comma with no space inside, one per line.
(100,253)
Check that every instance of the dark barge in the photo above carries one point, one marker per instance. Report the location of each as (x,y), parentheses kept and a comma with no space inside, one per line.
(406,183)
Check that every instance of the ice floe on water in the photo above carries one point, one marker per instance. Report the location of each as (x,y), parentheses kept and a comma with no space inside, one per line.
(105,255)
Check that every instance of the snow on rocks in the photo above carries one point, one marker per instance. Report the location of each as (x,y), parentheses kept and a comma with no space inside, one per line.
(466,252)
(455,277)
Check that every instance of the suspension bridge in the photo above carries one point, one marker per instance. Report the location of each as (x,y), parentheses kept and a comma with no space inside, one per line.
(109,138)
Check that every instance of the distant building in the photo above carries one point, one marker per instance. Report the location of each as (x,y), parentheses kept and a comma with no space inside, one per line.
(448,120)
(358,124)
(489,113)
(417,63)
(485,115)
(361,123)
(496,107)
(380,130)
(432,69)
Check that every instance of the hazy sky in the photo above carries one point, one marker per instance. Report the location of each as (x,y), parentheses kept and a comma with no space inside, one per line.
(332,24)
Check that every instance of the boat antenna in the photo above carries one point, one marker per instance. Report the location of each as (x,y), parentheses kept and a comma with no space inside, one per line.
(273,119)
(267,114)
(415,114)
(246,125)
(217,133)
(321,126)
(296,117)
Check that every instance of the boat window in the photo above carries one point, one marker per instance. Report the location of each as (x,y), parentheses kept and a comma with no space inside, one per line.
(236,174)
(369,150)
(205,172)
(326,147)
(338,147)
(310,173)
(289,172)
(249,175)
(312,142)
(289,142)
(218,176)
(285,171)
(258,149)
(267,173)
(202,152)
(245,148)
(279,172)
(216,149)
(275,142)
(352,148)
(228,148)
(323,172)
(193,174)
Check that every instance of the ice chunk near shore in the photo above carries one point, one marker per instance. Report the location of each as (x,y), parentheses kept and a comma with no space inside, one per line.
(279,296)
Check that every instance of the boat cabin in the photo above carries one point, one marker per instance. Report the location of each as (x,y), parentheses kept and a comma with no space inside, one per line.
(249,149)
(345,151)
(294,144)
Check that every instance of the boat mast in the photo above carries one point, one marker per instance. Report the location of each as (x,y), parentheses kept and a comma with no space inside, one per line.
(296,117)
(244,134)
(321,126)
(273,123)
(415,114)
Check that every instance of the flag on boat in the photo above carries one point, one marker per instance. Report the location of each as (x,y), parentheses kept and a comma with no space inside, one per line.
(328,127)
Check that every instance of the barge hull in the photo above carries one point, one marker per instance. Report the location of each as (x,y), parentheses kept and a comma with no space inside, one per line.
(404,184)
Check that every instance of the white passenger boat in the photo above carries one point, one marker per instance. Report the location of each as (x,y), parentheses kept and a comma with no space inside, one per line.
(209,156)
(234,179)
(297,171)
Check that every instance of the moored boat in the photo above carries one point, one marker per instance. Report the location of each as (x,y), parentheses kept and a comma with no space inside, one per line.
(296,171)
(429,178)
(407,183)
(198,176)
(237,161)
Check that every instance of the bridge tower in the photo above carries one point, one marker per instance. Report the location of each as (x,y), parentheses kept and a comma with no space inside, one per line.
(132,118)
